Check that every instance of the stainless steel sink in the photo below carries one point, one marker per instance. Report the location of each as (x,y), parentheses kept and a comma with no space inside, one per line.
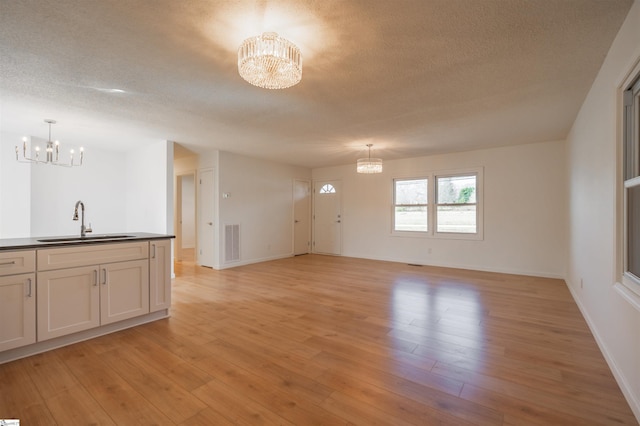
(87,238)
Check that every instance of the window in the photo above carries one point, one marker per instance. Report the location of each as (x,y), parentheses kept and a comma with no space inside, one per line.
(327,189)
(631,181)
(456,204)
(410,205)
(445,205)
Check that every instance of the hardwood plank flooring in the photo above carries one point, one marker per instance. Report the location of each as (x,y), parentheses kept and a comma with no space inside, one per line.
(321,340)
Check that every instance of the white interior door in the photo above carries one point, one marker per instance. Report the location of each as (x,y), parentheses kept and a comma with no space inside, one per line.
(327,212)
(301,217)
(205,218)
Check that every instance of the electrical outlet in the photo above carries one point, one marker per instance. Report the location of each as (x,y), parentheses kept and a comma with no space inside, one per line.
(429,250)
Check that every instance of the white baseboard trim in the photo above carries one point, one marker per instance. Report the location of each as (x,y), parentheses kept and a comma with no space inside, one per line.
(251,261)
(627,390)
(462,266)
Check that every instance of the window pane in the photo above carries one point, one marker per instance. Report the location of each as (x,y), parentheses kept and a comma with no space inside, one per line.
(411,218)
(327,189)
(456,189)
(460,219)
(412,191)
(633,227)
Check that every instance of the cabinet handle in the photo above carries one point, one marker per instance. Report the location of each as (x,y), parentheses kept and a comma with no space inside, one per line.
(13,262)
(104,270)
(153,252)
(95,277)
(29,280)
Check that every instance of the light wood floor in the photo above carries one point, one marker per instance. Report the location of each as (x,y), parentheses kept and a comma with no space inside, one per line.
(331,340)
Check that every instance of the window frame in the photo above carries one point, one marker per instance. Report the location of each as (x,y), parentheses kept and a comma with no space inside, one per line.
(630,170)
(395,205)
(437,204)
(431,178)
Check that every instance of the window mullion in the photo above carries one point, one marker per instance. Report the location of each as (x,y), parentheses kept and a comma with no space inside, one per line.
(431,207)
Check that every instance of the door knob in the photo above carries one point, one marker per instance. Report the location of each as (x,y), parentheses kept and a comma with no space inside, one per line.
(209,223)
(296,221)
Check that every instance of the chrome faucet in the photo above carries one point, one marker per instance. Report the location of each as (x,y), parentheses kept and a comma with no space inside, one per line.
(83,229)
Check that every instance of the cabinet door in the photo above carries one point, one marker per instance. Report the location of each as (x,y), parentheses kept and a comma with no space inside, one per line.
(159,275)
(17,311)
(68,301)
(124,290)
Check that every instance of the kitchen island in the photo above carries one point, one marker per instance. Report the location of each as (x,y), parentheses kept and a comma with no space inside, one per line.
(55,291)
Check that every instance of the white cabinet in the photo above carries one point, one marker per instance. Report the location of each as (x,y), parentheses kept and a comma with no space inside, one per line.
(159,275)
(74,299)
(17,310)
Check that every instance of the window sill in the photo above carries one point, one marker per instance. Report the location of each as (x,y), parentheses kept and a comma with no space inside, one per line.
(629,294)
(438,236)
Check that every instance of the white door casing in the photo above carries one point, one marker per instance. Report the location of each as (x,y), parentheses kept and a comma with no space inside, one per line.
(327,213)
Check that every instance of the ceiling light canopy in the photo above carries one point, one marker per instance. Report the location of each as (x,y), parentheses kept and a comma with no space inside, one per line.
(270,61)
(369,165)
(52,152)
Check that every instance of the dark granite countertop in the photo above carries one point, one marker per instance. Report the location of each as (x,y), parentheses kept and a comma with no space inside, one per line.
(67,240)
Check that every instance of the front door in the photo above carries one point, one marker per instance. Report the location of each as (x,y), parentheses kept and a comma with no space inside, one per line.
(327,230)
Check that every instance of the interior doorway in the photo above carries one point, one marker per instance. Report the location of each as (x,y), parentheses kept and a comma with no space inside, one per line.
(185,216)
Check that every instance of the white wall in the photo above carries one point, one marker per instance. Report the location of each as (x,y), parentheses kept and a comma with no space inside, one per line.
(101,185)
(593,173)
(524,211)
(38,200)
(261,201)
(15,190)
(149,196)
(121,192)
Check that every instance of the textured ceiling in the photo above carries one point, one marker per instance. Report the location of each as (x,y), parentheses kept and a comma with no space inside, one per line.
(413,77)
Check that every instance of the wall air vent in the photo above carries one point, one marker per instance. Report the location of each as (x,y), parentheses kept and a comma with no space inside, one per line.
(231,243)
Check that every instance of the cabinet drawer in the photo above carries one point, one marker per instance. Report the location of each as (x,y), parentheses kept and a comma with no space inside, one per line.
(17,262)
(84,255)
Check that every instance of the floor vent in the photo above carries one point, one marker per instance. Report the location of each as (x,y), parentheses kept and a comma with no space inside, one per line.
(231,243)
(413,264)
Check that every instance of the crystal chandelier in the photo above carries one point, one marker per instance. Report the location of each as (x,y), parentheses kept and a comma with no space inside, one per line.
(270,61)
(369,165)
(52,152)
